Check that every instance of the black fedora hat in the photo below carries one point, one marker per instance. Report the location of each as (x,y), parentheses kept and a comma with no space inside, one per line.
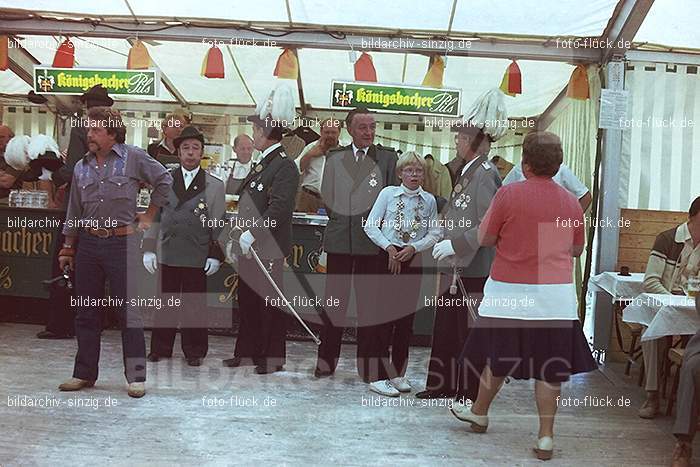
(96,96)
(189,132)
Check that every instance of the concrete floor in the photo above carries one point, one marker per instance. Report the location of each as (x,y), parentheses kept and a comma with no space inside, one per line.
(188,416)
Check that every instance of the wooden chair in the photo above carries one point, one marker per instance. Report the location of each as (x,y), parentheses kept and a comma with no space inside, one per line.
(634,351)
(675,358)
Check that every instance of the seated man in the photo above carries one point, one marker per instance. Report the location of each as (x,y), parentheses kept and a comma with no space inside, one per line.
(687,400)
(674,257)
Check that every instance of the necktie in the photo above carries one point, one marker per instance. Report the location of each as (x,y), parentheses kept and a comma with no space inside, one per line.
(359,155)
(188,179)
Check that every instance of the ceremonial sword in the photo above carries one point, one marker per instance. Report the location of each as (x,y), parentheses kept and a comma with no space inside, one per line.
(279,292)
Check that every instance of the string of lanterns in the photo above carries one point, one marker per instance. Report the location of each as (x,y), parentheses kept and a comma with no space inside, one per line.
(287,67)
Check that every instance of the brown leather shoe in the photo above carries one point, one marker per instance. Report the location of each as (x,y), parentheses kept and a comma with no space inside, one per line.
(682,455)
(649,409)
(137,389)
(76,384)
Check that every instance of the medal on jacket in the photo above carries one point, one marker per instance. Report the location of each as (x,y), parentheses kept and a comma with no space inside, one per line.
(412,226)
(373,180)
(462,201)
(258,168)
(458,188)
(201,210)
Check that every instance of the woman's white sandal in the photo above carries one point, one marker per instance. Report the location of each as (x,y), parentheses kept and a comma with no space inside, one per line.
(545,447)
(479,423)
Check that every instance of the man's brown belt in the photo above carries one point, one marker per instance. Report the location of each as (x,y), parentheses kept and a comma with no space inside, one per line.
(120,231)
(310,191)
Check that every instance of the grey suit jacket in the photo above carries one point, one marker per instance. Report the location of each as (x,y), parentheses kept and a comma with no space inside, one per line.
(471,197)
(349,191)
(180,236)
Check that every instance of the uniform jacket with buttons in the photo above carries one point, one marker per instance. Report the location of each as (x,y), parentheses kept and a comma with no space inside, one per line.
(471,197)
(185,232)
(266,204)
(349,190)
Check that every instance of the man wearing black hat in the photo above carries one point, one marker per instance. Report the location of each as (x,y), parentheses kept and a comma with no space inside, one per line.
(185,234)
(265,213)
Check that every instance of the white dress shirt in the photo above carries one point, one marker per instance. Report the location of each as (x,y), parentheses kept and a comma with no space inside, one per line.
(240,169)
(467,165)
(354,152)
(565,178)
(312,177)
(188,175)
(380,225)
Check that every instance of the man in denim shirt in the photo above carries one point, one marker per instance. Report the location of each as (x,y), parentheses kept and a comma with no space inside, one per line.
(101,243)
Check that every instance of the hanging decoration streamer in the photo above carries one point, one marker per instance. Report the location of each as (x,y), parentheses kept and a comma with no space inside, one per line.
(511,83)
(578,84)
(436,70)
(65,55)
(287,65)
(213,64)
(364,69)
(139,59)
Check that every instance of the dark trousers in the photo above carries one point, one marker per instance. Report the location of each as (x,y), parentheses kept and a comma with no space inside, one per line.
(399,299)
(190,286)
(450,331)
(262,330)
(61,315)
(99,260)
(344,272)
(688,399)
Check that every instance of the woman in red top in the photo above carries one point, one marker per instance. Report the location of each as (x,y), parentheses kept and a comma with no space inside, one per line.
(528,324)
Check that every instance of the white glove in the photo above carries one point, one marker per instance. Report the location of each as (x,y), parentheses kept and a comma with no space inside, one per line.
(443,249)
(212,265)
(150,261)
(245,242)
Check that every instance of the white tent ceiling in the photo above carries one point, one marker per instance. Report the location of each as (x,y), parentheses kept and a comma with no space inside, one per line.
(181,61)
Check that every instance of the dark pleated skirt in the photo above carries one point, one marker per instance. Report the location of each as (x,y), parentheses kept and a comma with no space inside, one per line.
(546,350)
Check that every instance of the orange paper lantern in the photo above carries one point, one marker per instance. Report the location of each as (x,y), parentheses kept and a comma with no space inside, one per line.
(364,69)
(287,66)
(213,64)
(65,55)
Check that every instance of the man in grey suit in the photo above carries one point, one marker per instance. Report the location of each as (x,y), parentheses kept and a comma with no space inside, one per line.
(353,176)
(185,236)
(461,259)
(687,400)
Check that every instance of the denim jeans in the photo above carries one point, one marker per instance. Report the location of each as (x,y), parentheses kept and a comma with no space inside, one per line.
(116,261)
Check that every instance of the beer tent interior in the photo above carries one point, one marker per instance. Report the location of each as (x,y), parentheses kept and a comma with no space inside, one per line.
(642,168)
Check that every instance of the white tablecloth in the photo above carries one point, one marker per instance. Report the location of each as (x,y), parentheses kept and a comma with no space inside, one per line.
(617,286)
(663,315)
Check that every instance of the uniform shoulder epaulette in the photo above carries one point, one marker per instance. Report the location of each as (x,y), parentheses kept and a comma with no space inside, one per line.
(336,150)
(486,165)
(385,148)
